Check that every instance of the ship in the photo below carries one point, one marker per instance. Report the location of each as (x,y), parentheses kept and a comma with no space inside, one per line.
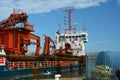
(102,72)
(65,53)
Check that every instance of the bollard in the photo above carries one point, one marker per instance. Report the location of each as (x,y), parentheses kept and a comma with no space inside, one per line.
(57,76)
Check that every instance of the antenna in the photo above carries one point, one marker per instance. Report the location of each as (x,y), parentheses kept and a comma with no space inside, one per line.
(60,28)
(64,20)
(69,11)
(75,27)
(84,29)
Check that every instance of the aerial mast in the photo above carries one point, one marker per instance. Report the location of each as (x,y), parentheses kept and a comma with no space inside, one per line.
(84,29)
(69,11)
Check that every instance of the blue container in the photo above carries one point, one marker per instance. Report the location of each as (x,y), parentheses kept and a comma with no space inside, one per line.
(111,59)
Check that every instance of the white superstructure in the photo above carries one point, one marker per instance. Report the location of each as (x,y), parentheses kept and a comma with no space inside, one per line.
(77,40)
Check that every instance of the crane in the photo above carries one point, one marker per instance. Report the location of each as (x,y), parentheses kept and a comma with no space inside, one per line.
(16,17)
(16,39)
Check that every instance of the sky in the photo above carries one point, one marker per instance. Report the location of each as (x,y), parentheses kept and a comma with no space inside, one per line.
(101,17)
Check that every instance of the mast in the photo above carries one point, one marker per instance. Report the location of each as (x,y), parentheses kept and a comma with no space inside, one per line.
(84,29)
(69,11)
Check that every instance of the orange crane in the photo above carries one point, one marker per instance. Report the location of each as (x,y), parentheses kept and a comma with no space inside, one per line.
(16,39)
(49,46)
(16,17)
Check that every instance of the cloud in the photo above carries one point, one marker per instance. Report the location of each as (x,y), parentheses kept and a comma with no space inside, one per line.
(118,2)
(42,6)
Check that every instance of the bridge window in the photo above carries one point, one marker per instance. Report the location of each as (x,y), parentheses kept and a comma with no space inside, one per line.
(76,36)
(73,36)
(66,36)
(84,38)
(83,35)
(69,36)
(79,36)
(61,36)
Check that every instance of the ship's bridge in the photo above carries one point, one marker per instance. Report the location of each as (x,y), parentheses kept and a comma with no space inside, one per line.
(76,40)
(83,36)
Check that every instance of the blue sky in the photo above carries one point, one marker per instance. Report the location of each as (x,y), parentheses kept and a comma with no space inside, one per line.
(102,19)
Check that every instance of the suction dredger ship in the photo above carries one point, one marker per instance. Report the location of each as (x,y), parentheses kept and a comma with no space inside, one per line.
(65,53)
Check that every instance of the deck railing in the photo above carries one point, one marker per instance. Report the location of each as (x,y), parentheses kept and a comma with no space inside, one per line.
(34,64)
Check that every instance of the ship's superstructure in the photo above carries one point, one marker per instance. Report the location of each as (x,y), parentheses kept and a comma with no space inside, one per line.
(76,40)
